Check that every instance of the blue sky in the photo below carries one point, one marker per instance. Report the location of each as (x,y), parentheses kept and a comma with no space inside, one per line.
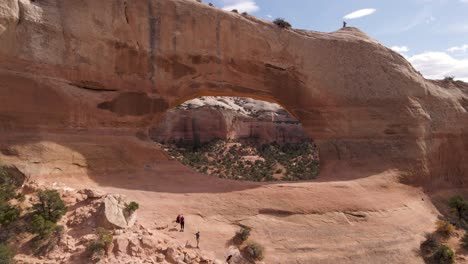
(431,34)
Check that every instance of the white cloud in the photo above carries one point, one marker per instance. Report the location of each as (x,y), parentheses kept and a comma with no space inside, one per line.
(462,48)
(360,13)
(400,49)
(437,65)
(241,5)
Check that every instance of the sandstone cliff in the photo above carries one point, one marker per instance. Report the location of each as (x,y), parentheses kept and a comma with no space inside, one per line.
(117,66)
(228,118)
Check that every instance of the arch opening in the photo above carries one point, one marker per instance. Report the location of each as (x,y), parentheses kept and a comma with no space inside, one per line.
(238,138)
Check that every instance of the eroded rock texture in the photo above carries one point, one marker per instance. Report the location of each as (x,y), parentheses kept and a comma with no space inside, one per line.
(117,65)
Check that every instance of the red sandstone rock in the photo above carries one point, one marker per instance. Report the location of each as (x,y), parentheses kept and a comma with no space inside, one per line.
(121,64)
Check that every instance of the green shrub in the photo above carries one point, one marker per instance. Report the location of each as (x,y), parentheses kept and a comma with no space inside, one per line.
(132,207)
(42,227)
(444,255)
(46,243)
(445,229)
(6,254)
(51,207)
(458,204)
(243,234)
(8,185)
(464,241)
(97,248)
(235,11)
(8,213)
(278,171)
(280,22)
(430,244)
(254,251)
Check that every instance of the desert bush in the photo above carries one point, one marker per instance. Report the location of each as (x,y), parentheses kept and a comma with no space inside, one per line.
(243,234)
(280,22)
(430,244)
(8,213)
(42,227)
(444,255)
(449,78)
(444,228)
(245,13)
(6,254)
(458,204)
(235,11)
(464,241)
(132,207)
(254,251)
(98,247)
(8,185)
(51,207)
(44,244)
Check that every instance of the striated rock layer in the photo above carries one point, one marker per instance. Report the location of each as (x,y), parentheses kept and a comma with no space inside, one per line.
(228,118)
(118,66)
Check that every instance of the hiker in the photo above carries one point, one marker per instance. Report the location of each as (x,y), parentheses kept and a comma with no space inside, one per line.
(177,219)
(228,260)
(344,24)
(197,237)
(182,223)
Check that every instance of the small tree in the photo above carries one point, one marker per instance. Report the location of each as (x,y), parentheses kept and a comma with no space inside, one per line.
(280,22)
(444,255)
(51,207)
(6,254)
(42,227)
(458,204)
(8,213)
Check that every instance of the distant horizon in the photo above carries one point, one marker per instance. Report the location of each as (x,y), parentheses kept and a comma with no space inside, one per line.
(431,34)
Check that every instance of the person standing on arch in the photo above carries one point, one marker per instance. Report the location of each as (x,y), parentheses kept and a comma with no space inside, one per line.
(344,24)
(182,223)
(197,237)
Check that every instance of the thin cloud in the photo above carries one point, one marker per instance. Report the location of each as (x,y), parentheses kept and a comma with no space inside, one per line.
(400,49)
(360,13)
(462,48)
(241,5)
(437,65)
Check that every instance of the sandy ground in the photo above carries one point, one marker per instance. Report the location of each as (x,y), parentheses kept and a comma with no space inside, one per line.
(372,219)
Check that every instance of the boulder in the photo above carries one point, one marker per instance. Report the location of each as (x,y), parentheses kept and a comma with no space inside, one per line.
(113,213)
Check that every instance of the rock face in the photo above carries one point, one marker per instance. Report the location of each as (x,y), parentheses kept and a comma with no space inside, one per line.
(228,118)
(120,65)
(113,213)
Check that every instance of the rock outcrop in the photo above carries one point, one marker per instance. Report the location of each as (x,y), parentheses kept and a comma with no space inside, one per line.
(227,118)
(120,65)
(114,214)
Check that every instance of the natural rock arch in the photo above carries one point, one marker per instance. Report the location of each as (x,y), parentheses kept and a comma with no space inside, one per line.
(119,64)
